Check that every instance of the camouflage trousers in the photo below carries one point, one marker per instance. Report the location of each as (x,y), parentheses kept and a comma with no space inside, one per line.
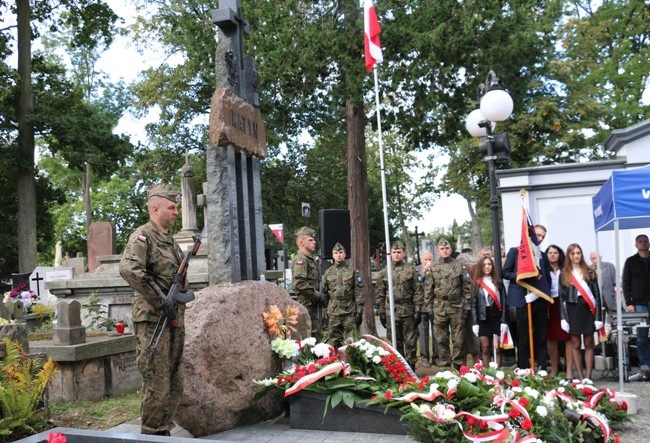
(406,338)
(340,327)
(449,319)
(315,314)
(162,376)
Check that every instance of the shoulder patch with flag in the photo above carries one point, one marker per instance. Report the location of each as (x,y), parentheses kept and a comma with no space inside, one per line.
(371,30)
(142,238)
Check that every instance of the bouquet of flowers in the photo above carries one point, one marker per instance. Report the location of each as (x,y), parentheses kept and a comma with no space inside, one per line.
(23,293)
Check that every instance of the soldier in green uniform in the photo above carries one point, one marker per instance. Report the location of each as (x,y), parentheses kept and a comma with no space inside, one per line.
(305,276)
(449,299)
(150,258)
(407,293)
(343,297)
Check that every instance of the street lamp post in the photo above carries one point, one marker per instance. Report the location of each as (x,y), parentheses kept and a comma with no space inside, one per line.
(495,106)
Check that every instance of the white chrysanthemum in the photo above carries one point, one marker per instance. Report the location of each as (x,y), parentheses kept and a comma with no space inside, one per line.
(470,377)
(541,410)
(452,384)
(383,352)
(285,348)
(376,359)
(422,408)
(321,350)
(445,375)
(542,373)
(500,375)
(531,392)
(493,365)
(517,389)
(311,341)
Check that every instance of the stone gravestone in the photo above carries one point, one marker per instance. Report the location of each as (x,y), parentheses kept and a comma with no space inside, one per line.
(101,241)
(238,142)
(44,274)
(68,330)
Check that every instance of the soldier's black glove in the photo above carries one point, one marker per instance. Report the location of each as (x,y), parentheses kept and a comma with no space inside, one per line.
(326,321)
(168,308)
(417,318)
(382,320)
(358,318)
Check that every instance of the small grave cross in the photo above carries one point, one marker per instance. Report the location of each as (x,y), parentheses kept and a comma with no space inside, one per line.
(38,285)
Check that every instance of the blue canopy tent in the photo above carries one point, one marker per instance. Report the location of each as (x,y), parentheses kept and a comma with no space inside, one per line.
(623,202)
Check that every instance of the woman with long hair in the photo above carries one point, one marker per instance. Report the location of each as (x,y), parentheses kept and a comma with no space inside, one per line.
(488,308)
(581,307)
(554,332)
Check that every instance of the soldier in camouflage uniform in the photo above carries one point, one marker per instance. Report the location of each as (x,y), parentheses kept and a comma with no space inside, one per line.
(407,293)
(150,258)
(305,276)
(343,297)
(449,298)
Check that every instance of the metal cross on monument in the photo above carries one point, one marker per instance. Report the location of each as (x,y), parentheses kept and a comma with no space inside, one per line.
(233,194)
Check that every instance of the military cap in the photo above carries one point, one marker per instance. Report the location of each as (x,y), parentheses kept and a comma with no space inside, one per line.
(165,191)
(338,247)
(443,242)
(306,230)
(397,245)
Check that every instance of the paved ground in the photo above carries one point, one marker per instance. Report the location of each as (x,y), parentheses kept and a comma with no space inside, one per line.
(278,430)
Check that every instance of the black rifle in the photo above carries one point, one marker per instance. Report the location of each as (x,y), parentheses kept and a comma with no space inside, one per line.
(175,295)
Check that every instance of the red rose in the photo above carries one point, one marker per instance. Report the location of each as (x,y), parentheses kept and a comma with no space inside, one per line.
(56,438)
(463,370)
(389,395)
(523,401)
(482,425)
(515,383)
(587,390)
(526,424)
(311,368)
(514,413)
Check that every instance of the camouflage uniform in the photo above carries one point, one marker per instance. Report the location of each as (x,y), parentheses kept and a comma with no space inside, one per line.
(449,299)
(150,258)
(407,293)
(343,296)
(305,275)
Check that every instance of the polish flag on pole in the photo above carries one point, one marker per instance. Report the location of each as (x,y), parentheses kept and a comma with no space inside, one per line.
(278,231)
(371,30)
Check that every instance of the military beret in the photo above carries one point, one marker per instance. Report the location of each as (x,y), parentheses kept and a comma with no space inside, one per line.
(443,242)
(165,191)
(397,245)
(338,247)
(305,230)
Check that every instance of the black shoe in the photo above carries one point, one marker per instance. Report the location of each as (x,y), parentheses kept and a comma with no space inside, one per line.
(165,433)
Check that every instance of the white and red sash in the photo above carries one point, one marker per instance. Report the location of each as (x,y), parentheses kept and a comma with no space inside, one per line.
(585,292)
(588,296)
(490,289)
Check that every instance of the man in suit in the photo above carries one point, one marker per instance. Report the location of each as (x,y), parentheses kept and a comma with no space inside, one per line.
(607,279)
(519,298)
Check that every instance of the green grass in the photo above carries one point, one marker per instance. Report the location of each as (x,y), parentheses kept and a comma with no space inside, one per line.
(99,415)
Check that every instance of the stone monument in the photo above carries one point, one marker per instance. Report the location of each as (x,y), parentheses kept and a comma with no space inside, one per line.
(238,142)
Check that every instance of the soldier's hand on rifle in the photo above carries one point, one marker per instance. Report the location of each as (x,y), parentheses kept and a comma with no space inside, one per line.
(358,318)
(417,318)
(382,319)
(326,321)
(168,308)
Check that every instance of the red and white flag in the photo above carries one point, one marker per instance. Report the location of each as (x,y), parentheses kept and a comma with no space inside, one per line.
(278,231)
(371,30)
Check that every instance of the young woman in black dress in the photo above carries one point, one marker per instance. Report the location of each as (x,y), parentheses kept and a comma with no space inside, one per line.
(488,308)
(581,307)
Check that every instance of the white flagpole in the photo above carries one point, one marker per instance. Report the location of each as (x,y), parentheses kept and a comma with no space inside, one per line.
(389,261)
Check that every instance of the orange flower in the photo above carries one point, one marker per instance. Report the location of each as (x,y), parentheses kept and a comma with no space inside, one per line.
(272,320)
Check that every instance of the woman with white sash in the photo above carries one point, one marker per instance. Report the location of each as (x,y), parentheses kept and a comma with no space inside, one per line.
(488,308)
(581,307)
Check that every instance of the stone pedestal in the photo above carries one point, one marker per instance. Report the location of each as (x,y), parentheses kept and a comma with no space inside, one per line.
(69,330)
(102,367)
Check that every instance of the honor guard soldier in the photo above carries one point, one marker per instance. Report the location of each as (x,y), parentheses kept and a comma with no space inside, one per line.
(407,294)
(343,297)
(305,276)
(449,298)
